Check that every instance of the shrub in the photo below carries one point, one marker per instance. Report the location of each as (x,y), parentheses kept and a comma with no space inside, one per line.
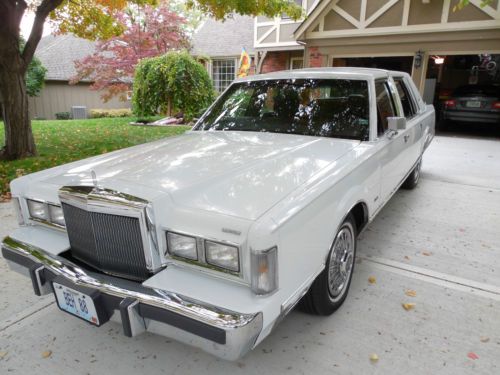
(100,113)
(171,83)
(63,115)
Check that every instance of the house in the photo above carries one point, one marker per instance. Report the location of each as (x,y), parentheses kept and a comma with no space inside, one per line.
(57,54)
(441,48)
(219,45)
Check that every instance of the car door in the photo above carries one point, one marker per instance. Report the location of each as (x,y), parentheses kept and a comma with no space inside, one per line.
(414,122)
(392,157)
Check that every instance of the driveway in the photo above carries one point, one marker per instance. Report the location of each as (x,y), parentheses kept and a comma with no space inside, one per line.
(437,246)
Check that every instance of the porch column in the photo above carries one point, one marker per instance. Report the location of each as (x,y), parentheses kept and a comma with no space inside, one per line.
(419,73)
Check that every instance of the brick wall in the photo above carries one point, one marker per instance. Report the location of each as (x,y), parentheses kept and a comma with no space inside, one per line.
(315,58)
(275,61)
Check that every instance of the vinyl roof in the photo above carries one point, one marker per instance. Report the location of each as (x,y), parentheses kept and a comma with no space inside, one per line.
(351,73)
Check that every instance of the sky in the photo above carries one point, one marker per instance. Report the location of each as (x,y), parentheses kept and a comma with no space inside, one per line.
(27,22)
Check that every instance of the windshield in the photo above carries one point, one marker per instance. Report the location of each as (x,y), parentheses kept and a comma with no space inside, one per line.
(335,108)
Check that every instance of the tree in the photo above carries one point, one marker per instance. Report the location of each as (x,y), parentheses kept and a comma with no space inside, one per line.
(219,9)
(149,32)
(35,74)
(170,83)
(35,77)
(193,16)
(85,18)
(463,3)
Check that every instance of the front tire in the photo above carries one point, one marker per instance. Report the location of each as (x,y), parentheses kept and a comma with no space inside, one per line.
(414,177)
(329,291)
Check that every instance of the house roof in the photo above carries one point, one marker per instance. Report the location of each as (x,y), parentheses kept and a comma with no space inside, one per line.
(222,39)
(59,52)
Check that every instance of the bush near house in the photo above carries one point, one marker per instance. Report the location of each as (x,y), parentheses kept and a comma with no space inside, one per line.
(63,115)
(172,83)
(61,142)
(102,113)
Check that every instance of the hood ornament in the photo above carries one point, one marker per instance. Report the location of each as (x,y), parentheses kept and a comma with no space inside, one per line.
(94,180)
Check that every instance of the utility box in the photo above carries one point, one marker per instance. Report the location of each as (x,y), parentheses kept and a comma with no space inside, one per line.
(79,112)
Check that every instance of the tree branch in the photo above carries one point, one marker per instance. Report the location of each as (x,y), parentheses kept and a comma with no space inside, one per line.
(41,14)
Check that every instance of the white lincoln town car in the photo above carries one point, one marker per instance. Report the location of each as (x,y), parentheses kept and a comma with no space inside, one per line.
(212,237)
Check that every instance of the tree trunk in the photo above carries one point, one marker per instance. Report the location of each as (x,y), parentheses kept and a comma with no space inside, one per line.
(19,142)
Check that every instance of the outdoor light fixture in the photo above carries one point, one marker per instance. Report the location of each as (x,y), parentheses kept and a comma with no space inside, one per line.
(417,61)
(438,60)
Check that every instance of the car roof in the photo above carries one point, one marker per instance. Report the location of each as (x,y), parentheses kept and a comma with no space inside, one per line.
(325,73)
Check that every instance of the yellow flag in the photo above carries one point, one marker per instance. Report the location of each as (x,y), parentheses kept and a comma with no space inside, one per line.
(244,64)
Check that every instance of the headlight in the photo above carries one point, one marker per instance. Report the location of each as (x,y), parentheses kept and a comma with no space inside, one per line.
(56,215)
(264,266)
(182,246)
(38,210)
(221,255)
(46,212)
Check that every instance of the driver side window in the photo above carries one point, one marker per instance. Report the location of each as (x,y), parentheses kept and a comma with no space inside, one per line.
(385,105)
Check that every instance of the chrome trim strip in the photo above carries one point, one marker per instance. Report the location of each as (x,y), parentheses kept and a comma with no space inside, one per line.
(200,311)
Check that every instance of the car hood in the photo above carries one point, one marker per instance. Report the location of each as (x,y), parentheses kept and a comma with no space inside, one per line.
(234,173)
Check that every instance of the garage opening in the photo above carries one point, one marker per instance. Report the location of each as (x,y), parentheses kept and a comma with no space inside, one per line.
(400,63)
(465,90)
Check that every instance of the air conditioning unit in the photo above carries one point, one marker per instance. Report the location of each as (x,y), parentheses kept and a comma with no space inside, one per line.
(79,112)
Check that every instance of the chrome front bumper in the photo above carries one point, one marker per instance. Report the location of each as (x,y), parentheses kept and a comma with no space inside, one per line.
(221,332)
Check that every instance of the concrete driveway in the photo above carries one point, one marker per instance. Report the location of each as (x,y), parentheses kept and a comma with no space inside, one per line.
(437,246)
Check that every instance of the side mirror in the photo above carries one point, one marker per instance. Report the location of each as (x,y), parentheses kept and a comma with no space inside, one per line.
(396,123)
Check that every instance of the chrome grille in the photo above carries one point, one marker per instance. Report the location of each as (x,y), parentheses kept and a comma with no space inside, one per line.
(110,243)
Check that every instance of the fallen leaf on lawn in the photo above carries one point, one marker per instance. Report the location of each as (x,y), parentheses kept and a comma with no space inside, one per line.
(373,357)
(372,280)
(484,339)
(20,172)
(472,355)
(46,354)
(408,306)
(411,293)
(3,354)
(426,253)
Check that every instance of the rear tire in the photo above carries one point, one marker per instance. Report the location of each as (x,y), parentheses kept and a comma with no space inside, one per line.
(329,291)
(413,178)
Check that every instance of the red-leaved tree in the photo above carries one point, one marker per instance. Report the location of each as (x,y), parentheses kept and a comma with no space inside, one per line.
(148,32)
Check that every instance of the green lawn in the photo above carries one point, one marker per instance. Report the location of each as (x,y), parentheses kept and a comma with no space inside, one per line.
(60,142)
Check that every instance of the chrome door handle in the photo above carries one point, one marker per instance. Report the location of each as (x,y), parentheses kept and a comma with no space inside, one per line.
(406,137)
(391,134)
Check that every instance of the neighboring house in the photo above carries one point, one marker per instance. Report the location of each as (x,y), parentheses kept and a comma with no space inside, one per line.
(221,43)
(58,54)
(439,47)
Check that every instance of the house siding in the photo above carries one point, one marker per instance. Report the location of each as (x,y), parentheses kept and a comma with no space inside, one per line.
(59,96)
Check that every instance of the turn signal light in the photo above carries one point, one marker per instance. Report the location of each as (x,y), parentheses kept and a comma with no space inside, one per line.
(495,105)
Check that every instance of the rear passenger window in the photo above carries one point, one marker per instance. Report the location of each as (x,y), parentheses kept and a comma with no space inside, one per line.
(406,98)
(385,106)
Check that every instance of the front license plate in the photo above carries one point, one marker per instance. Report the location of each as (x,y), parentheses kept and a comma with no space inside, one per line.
(76,303)
(473,104)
